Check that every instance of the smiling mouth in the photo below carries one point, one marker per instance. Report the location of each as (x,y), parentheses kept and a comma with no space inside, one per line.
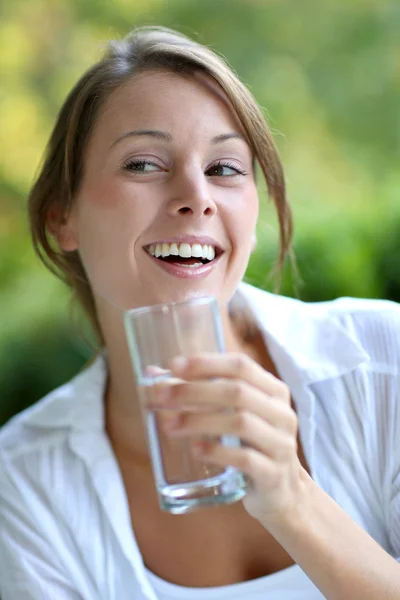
(183,254)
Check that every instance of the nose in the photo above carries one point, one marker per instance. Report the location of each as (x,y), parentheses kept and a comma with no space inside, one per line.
(191,196)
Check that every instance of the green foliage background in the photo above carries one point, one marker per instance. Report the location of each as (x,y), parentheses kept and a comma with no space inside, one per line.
(328,76)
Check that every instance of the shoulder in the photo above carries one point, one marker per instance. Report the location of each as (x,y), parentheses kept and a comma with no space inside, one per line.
(31,453)
(361,307)
(52,456)
(23,433)
(35,443)
(373,324)
(47,457)
(339,305)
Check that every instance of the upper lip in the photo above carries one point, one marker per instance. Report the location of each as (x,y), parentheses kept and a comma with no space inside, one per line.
(203,240)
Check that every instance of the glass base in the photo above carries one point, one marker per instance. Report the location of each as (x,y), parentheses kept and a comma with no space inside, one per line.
(181,498)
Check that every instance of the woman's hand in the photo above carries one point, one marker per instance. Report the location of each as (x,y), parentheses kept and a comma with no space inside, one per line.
(261,417)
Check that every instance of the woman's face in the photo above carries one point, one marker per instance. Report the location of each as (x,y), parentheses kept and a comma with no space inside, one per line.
(168,170)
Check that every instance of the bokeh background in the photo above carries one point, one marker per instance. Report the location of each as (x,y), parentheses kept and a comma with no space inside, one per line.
(327,75)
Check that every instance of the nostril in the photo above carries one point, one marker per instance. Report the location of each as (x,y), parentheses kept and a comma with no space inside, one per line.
(184,210)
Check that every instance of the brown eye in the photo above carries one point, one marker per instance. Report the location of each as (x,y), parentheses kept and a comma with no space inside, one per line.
(224,170)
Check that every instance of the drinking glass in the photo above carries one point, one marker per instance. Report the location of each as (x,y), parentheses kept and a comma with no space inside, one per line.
(156,334)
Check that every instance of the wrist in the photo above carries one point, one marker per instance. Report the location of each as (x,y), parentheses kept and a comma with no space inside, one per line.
(295,516)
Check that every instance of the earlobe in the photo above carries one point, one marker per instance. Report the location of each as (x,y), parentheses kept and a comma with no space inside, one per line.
(67,238)
(63,229)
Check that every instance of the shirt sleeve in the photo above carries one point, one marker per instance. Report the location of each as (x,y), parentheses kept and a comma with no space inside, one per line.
(386,345)
(34,562)
(394,506)
(377,328)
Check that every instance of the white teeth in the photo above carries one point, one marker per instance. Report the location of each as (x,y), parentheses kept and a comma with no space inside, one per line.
(197,251)
(211,253)
(174,250)
(185,251)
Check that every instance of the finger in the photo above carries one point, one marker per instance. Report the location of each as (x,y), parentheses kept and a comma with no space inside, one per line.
(230,365)
(251,429)
(155,370)
(226,394)
(155,397)
(255,465)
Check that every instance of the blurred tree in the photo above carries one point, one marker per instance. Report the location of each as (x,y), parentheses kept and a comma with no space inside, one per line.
(328,75)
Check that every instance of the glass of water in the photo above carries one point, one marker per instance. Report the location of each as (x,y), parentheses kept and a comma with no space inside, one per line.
(155,335)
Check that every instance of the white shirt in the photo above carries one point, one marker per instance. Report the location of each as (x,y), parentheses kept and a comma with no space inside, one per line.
(284,585)
(65,529)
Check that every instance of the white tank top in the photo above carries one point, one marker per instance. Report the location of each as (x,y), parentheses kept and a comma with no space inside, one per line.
(288,584)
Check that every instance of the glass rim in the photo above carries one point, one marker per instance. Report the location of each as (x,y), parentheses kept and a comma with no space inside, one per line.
(164,306)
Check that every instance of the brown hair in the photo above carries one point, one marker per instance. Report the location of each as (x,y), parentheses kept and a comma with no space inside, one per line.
(146,48)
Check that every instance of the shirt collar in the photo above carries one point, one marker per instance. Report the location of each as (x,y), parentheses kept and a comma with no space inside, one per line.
(306,334)
(307,343)
(77,404)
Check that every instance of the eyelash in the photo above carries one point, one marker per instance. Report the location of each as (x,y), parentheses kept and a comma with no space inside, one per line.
(222,163)
(140,161)
(137,162)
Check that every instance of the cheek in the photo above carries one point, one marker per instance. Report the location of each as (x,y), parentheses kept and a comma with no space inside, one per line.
(109,237)
(244,225)
(241,217)
(112,211)
(102,192)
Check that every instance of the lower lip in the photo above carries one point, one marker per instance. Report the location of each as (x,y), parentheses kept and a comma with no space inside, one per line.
(185,272)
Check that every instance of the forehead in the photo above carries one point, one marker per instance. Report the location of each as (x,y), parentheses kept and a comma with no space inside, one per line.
(167,101)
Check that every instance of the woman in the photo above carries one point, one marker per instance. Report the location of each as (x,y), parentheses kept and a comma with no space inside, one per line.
(158,143)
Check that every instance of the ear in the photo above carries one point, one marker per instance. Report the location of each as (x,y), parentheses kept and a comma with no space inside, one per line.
(63,228)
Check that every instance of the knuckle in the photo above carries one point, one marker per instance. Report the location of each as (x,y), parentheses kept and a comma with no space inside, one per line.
(292,422)
(242,421)
(288,447)
(237,393)
(248,463)
(240,363)
(284,391)
(291,445)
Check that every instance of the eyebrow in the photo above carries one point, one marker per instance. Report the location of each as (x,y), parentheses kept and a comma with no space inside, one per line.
(218,139)
(155,133)
(167,137)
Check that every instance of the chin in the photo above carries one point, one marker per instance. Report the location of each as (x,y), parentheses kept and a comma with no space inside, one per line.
(177,293)
(181,296)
